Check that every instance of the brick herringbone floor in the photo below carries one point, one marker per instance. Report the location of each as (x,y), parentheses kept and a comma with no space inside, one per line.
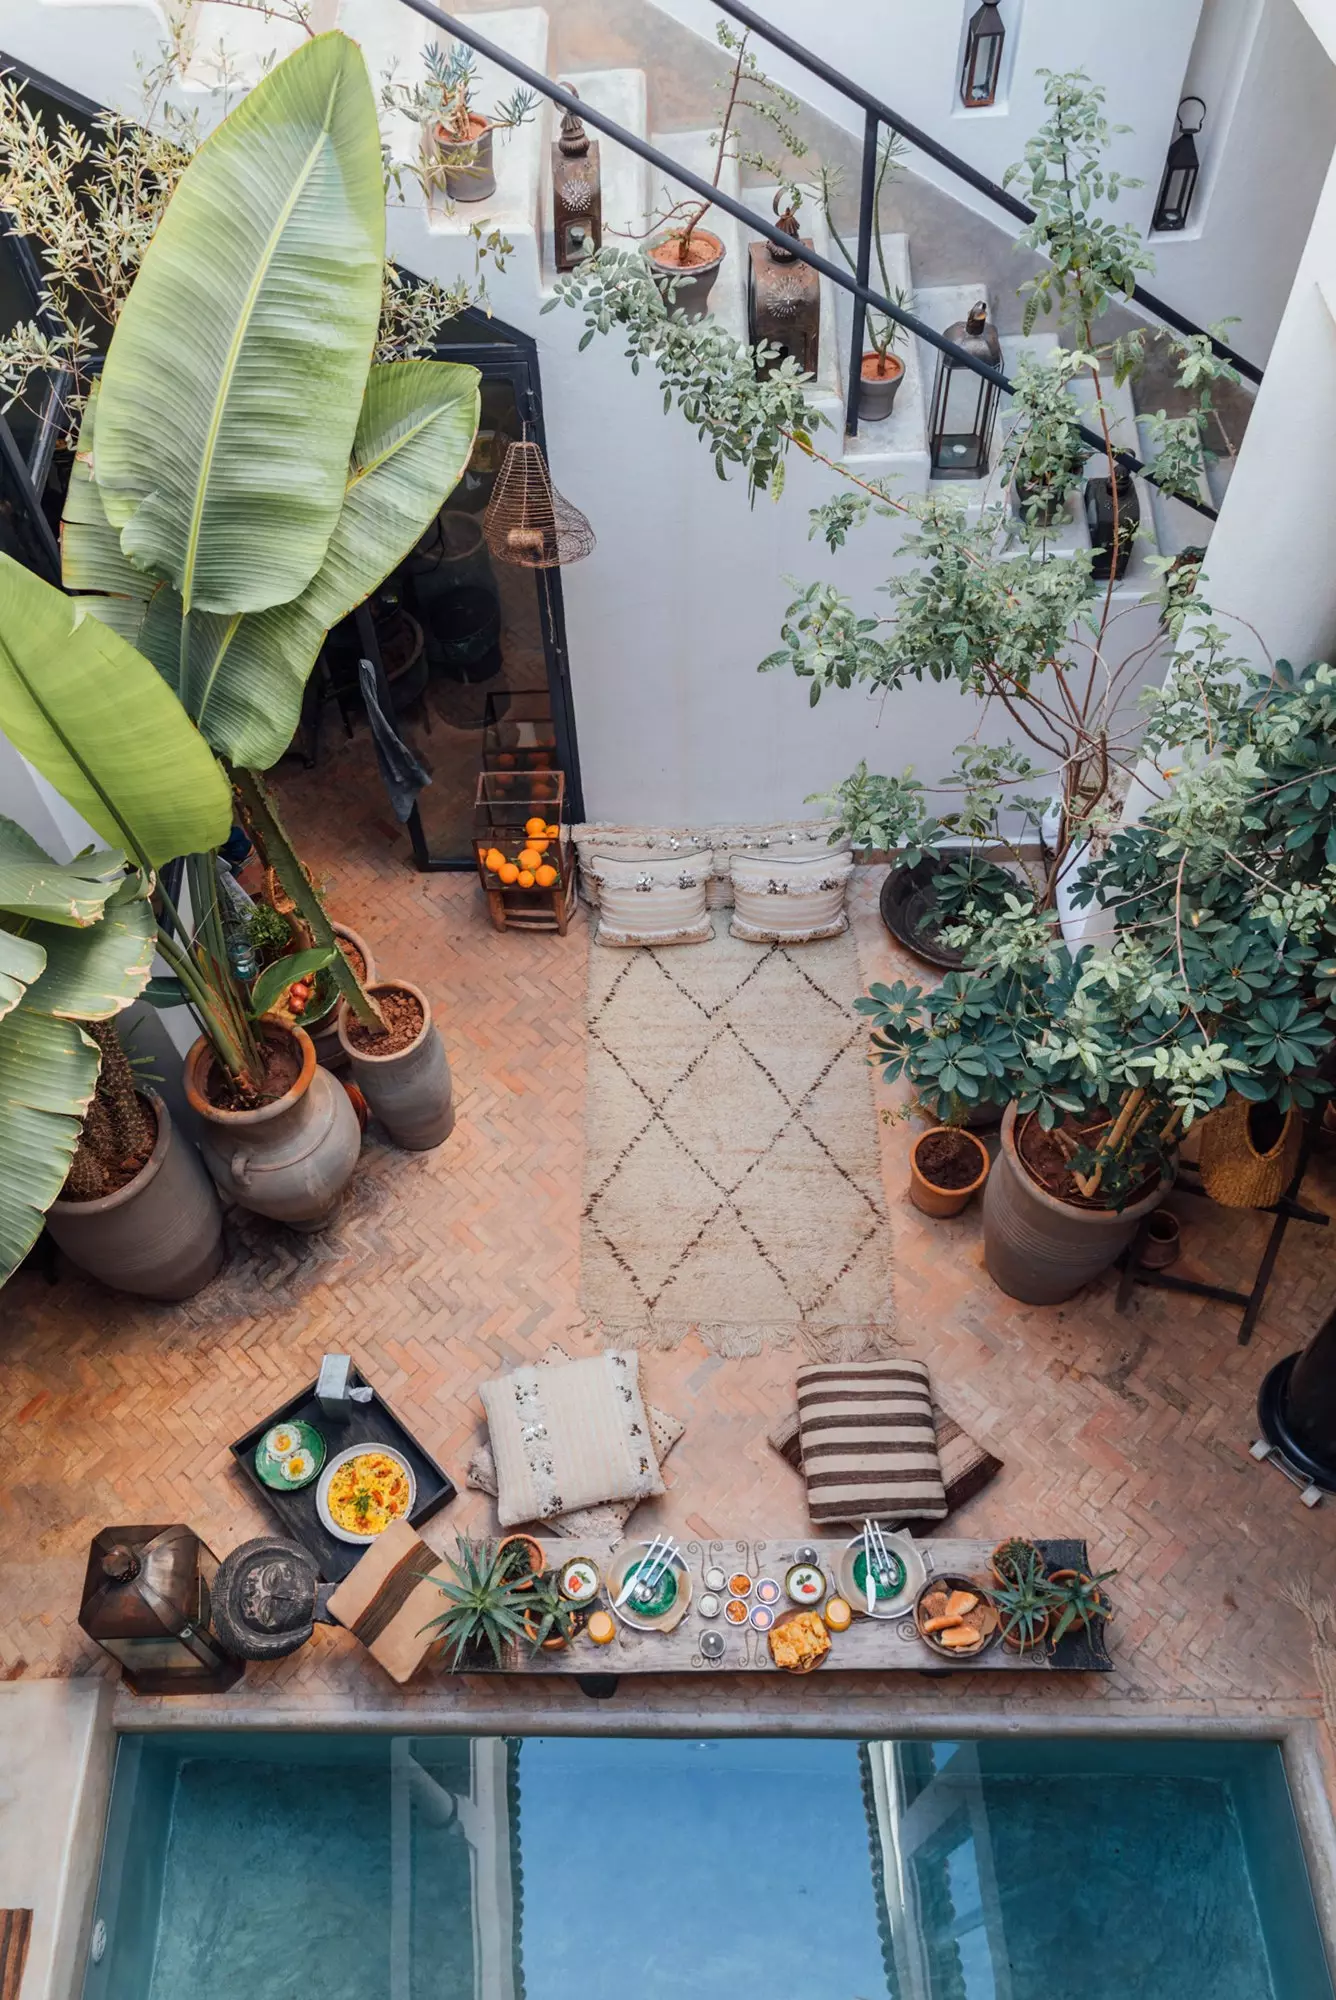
(449,1266)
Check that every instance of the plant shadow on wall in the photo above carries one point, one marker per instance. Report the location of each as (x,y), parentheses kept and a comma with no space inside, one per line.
(201,585)
(1213,970)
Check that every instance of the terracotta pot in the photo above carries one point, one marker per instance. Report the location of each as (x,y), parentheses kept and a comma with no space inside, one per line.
(410,1091)
(161,1235)
(1067,1576)
(532,1548)
(1001,1575)
(466,164)
(1040,1249)
(290,1159)
(925,1194)
(557,1643)
(1162,1243)
(329,1050)
(877,392)
(1029,1645)
(697,280)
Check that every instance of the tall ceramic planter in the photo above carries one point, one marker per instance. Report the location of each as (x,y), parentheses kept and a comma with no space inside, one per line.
(161,1235)
(325,1033)
(409,1091)
(1038,1248)
(291,1159)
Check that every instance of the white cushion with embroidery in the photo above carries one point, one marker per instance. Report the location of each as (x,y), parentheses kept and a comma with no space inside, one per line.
(652,902)
(797,839)
(570,1435)
(778,900)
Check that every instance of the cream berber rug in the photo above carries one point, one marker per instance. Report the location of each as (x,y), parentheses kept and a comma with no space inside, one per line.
(732,1178)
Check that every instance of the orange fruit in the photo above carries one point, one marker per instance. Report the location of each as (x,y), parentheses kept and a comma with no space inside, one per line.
(526,878)
(508,872)
(552,832)
(533,826)
(528,857)
(545,876)
(494,859)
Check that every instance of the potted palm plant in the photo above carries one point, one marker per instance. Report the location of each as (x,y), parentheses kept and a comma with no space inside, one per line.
(485,1607)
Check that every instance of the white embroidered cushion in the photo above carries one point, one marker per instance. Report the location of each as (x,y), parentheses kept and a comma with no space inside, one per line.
(567,1436)
(781,901)
(652,902)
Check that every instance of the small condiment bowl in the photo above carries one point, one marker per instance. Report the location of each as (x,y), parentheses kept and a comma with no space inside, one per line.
(735,1611)
(709,1605)
(762,1617)
(768,1591)
(717,1581)
(740,1584)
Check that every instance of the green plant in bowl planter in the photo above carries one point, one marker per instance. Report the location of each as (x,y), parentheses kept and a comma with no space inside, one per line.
(1024,1607)
(1076,1599)
(485,1605)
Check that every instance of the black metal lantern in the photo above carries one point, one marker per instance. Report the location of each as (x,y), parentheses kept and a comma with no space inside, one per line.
(1181,168)
(147,1601)
(577,194)
(982,70)
(964,405)
(1099,520)
(784,299)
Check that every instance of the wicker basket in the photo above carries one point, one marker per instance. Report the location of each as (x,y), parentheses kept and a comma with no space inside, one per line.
(1234,1171)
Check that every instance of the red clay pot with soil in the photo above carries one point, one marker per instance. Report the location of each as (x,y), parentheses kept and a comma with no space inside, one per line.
(947,1167)
(403,1074)
(697,269)
(289,1157)
(324,1031)
(879,382)
(1040,1246)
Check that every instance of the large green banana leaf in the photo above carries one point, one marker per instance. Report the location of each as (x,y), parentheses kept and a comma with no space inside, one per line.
(242,678)
(48,1070)
(100,725)
(58,892)
(234,378)
(92,562)
(21,963)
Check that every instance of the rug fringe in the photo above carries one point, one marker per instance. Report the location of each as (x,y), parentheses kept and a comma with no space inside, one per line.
(736,1340)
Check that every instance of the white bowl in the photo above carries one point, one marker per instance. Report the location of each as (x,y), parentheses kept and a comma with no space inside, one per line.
(327,1520)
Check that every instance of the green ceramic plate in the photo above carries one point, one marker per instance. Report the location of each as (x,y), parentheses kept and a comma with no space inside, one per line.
(661,1599)
(269,1469)
(884,1590)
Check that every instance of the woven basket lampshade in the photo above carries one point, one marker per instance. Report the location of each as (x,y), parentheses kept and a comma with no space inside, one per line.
(527,520)
(1248,1152)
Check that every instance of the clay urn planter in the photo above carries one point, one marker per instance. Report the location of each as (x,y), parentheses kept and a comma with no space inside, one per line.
(947,1167)
(290,1159)
(161,1235)
(1038,1248)
(324,1030)
(705,255)
(408,1087)
(466,164)
(878,384)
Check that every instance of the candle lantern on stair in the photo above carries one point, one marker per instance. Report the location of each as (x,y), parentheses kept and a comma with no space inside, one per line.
(577,193)
(981,71)
(784,298)
(964,404)
(1181,168)
(147,1601)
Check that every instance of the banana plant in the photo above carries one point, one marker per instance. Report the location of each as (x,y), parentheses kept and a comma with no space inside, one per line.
(245,477)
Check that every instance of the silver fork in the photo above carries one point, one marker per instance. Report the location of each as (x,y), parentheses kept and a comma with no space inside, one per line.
(885,1569)
(635,1584)
(649,1578)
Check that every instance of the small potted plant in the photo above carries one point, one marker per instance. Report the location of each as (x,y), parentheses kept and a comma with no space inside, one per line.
(485,1606)
(457,140)
(522,1559)
(550,1620)
(1014,1558)
(947,1167)
(1077,1601)
(1025,1606)
(882,370)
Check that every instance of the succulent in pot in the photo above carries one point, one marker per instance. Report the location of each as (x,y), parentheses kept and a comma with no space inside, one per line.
(1077,1601)
(1014,1558)
(881,370)
(485,1606)
(551,1621)
(522,1558)
(1023,1604)
(457,139)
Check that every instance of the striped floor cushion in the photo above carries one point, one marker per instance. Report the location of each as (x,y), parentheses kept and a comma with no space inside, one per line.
(967,1467)
(869,1445)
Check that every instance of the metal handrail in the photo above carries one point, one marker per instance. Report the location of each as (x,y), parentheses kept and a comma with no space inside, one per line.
(864,294)
(962,169)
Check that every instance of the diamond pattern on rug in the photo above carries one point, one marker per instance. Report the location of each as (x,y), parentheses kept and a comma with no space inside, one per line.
(732,1176)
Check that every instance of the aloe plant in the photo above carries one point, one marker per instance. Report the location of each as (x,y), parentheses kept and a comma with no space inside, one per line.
(1078,1600)
(1024,1606)
(485,1606)
(549,1615)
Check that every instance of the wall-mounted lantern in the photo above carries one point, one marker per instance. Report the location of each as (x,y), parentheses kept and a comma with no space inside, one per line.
(784,305)
(577,194)
(964,405)
(982,69)
(1181,168)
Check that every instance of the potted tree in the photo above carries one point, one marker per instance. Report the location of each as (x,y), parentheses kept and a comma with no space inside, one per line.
(882,370)
(484,1610)
(457,139)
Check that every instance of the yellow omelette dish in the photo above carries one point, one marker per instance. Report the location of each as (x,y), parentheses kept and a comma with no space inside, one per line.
(367,1493)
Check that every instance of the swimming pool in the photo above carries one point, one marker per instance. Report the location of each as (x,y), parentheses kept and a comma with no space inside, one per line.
(354,1867)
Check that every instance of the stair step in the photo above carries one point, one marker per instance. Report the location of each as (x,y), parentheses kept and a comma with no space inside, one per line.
(621,94)
(728,300)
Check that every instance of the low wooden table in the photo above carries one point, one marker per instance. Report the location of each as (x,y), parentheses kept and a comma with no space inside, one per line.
(871,1645)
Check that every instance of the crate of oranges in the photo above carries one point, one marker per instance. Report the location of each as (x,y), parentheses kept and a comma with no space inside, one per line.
(523,852)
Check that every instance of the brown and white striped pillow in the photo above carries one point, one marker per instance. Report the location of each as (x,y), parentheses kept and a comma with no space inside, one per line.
(869,1445)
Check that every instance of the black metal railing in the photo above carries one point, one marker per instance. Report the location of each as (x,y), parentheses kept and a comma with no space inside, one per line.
(856,284)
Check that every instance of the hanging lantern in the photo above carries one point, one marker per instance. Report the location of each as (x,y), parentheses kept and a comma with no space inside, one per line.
(577,194)
(982,71)
(784,299)
(147,1601)
(964,405)
(527,520)
(1181,168)
(1099,520)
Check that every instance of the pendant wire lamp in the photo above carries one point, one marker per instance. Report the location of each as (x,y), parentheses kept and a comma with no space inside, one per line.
(527,521)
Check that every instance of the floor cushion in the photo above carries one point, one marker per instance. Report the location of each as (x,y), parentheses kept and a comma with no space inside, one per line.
(646,902)
(718,843)
(780,900)
(966,1466)
(386,1600)
(869,1445)
(569,1436)
(593,1524)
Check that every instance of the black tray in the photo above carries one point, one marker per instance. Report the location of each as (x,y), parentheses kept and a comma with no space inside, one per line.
(372,1423)
(1081,1648)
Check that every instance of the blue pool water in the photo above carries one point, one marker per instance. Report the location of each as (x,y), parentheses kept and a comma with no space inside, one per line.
(448,1868)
